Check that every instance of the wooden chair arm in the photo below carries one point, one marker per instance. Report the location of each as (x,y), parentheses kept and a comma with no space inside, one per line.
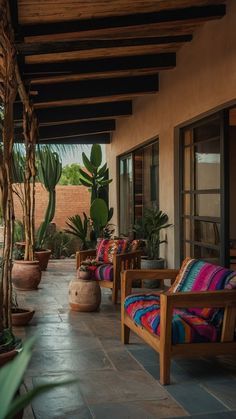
(216,299)
(81,255)
(127,277)
(127,255)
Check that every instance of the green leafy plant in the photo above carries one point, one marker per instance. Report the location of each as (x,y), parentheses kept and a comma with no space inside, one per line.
(70,174)
(49,173)
(60,243)
(11,376)
(79,228)
(149,228)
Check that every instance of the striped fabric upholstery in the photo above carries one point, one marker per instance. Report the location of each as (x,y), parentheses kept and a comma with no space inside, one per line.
(106,249)
(104,272)
(188,325)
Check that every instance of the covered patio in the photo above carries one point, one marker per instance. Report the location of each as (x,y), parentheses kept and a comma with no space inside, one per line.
(155,82)
(113,380)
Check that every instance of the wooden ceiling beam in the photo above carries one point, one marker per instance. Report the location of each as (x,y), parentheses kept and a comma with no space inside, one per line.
(99,66)
(73,129)
(104,138)
(172,15)
(77,113)
(39,48)
(94,89)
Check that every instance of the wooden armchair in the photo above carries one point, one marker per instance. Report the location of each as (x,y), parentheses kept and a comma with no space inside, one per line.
(168,306)
(120,262)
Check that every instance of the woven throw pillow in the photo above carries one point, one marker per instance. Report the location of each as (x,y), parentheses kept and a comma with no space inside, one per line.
(107,248)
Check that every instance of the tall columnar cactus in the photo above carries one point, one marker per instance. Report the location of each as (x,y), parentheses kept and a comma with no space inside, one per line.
(49,173)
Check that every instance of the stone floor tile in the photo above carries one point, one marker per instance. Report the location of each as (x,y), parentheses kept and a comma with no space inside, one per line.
(51,361)
(223,390)
(194,398)
(146,409)
(115,386)
(122,360)
(145,355)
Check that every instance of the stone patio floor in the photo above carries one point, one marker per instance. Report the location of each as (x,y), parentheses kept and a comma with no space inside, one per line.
(114,381)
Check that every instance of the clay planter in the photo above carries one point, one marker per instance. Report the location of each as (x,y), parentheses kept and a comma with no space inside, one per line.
(7,356)
(21,316)
(43,257)
(83,274)
(26,275)
(84,295)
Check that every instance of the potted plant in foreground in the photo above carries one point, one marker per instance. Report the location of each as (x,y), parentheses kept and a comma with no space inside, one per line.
(149,229)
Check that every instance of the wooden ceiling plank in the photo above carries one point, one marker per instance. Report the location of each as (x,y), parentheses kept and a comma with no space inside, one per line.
(39,48)
(104,65)
(95,88)
(81,128)
(189,14)
(77,113)
(103,138)
(31,11)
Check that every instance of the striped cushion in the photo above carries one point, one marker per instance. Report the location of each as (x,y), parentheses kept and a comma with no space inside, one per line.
(104,272)
(144,309)
(106,249)
(197,275)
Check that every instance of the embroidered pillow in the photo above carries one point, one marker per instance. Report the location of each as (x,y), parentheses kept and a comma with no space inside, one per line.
(107,248)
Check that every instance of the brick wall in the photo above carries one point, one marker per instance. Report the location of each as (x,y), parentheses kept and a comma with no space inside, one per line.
(70,200)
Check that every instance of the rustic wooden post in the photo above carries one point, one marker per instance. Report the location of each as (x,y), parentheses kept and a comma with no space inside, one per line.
(8,91)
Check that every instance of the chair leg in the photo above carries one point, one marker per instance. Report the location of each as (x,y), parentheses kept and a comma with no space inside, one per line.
(114,294)
(125,333)
(164,368)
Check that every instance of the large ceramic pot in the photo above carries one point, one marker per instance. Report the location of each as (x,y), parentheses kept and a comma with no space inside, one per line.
(7,356)
(43,257)
(21,316)
(26,275)
(84,295)
(152,264)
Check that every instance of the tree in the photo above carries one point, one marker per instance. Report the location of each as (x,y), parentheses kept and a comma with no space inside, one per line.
(70,175)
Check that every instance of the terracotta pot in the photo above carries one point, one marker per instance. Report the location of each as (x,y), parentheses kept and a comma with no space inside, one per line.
(84,295)
(7,356)
(83,274)
(152,264)
(26,275)
(21,316)
(43,257)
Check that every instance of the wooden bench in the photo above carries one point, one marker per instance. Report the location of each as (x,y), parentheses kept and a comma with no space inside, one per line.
(180,298)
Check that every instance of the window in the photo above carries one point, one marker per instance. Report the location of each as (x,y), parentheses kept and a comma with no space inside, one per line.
(138,185)
(201,191)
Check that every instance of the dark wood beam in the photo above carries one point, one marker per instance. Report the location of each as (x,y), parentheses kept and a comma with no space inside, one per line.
(73,129)
(38,48)
(76,113)
(96,66)
(94,89)
(13,5)
(104,138)
(172,15)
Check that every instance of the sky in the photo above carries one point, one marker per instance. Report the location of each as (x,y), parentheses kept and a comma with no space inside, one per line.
(74,154)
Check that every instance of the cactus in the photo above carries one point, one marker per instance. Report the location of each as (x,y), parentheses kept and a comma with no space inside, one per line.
(49,173)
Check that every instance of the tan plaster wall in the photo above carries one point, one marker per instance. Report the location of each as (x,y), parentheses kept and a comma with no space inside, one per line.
(204,78)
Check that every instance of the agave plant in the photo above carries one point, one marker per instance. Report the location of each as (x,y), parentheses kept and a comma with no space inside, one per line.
(49,173)
(79,228)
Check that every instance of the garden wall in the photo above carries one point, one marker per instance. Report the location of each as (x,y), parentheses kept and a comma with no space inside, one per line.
(70,200)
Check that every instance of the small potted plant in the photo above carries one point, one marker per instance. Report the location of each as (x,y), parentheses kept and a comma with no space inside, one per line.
(84,272)
(20,316)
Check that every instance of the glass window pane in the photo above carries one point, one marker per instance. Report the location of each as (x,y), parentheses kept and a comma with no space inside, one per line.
(207,165)
(207,205)
(207,232)
(126,195)
(210,129)
(210,255)
(187,168)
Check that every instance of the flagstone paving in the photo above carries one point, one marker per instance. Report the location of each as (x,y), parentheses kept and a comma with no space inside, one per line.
(113,380)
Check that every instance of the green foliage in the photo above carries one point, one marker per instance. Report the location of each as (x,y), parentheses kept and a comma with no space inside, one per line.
(18,166)
(99,215)
(60,244)
(8,342)
(49,173)
(70,175)
(19,234)
(79,228)
(149,228)
(11,376)
(96,179)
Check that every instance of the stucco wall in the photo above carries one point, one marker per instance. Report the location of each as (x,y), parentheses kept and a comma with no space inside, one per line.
(204,78)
